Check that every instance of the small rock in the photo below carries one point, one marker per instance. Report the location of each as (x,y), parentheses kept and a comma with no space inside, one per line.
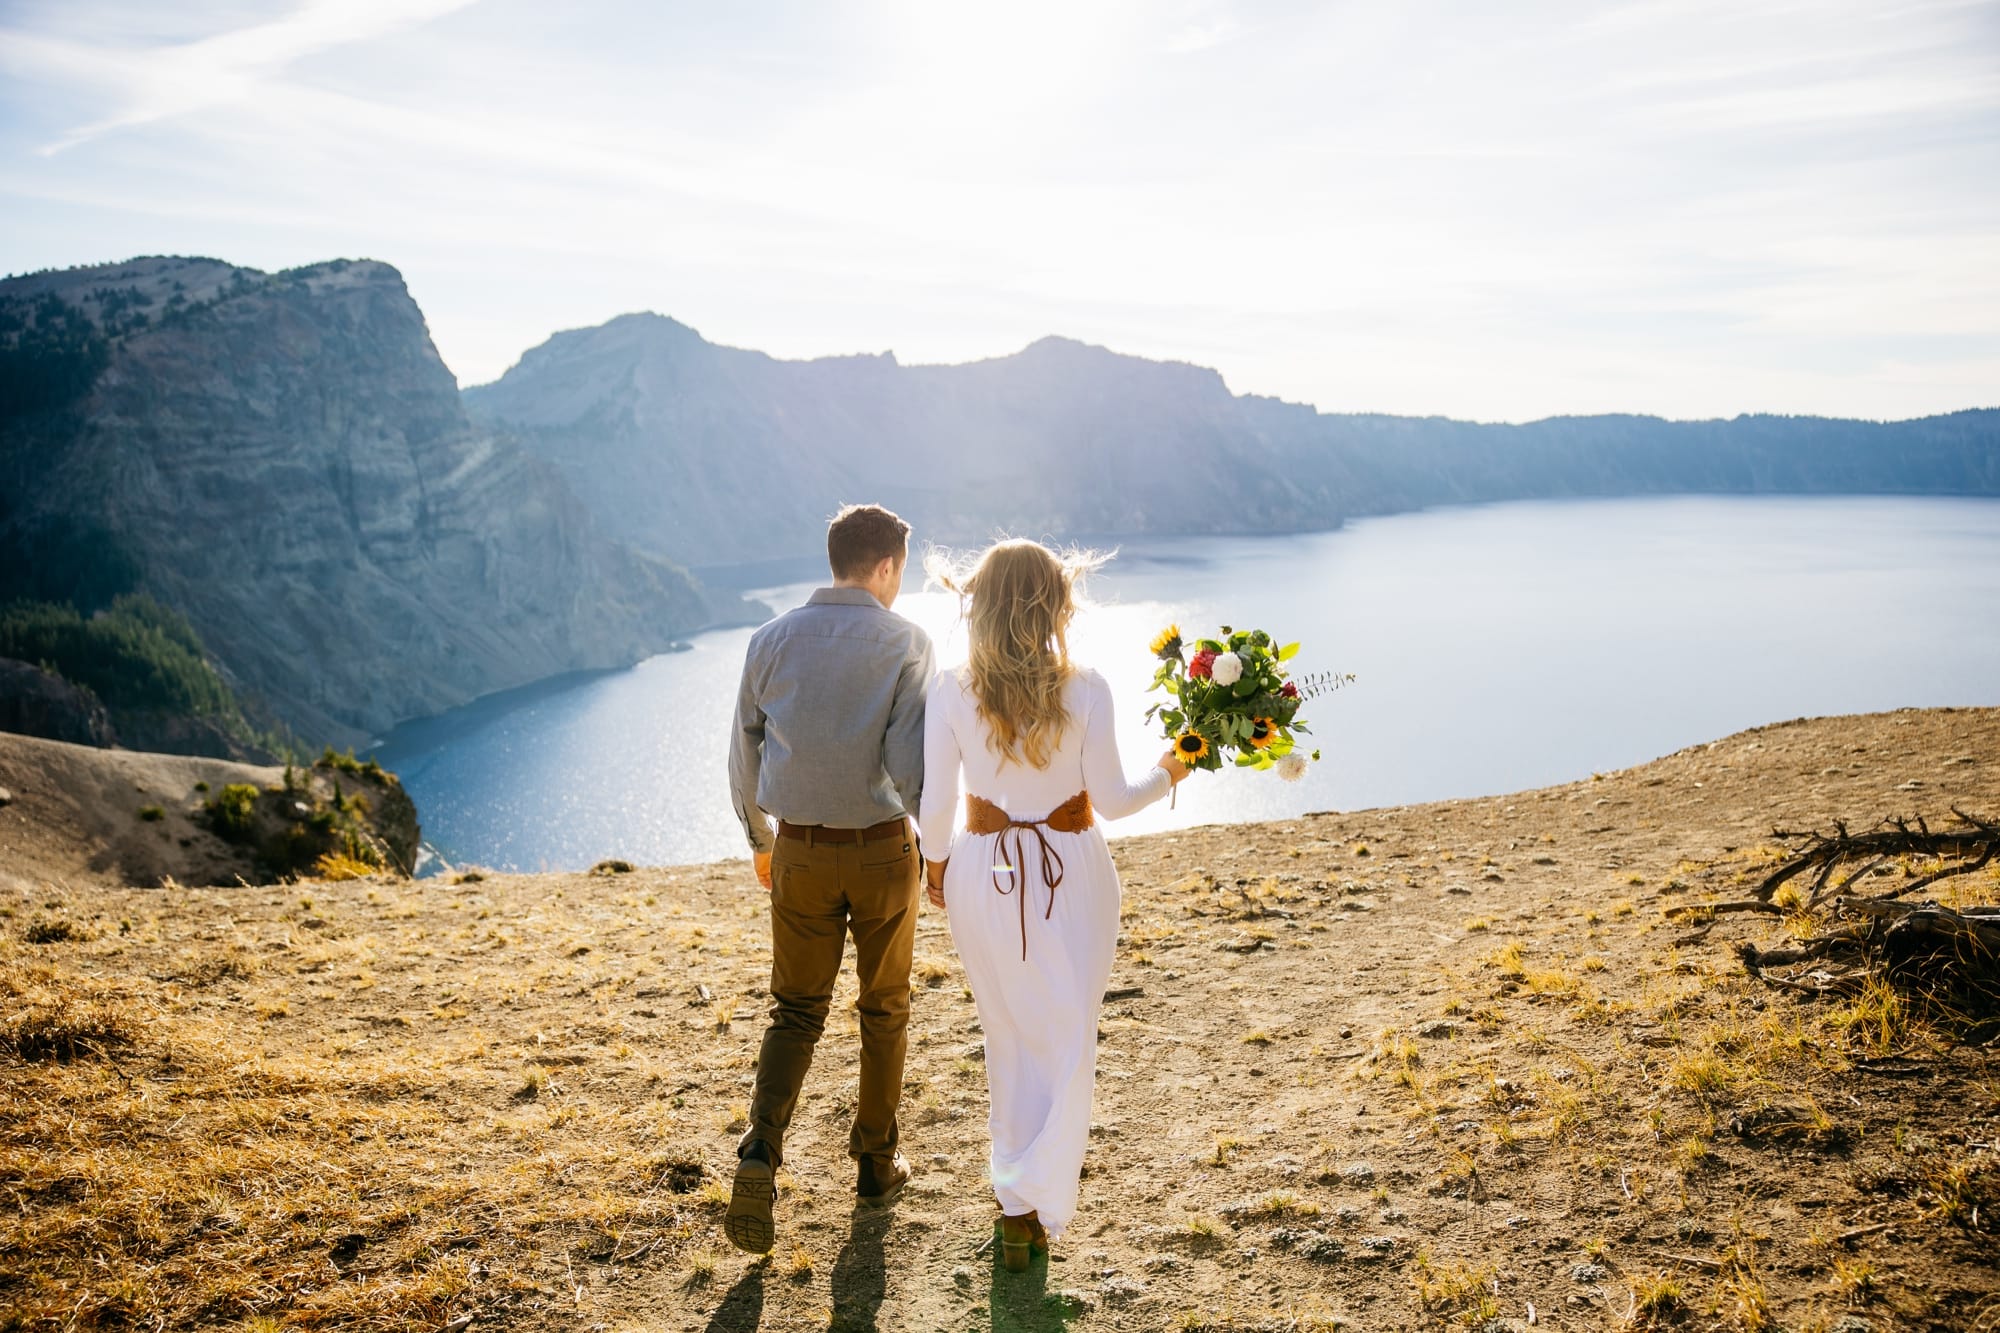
(1545,860)
(1070,1301)
(1437,1027)
(1316,1246)
(1588,1273)
(1851,1323)
(1347,1032)
(961,1276)
(1161,1263)
(1117,1289)
(940,1159)
(1347,1215)
(1357,1173)
(6,797)
(1377,1247)
(1458,888)
(1911,785)
(976,1051)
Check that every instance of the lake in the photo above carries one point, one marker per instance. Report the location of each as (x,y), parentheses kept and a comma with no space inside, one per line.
(1496,647)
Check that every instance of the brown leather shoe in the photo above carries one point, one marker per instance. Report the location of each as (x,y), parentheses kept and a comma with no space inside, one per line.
(879,1186)
(1020,1237)
(748,1222)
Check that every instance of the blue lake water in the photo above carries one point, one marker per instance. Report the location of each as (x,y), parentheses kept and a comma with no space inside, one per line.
(1497,648)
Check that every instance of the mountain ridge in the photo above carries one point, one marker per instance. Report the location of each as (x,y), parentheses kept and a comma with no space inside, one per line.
(669,438)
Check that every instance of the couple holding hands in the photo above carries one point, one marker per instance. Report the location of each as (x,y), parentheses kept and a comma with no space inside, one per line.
(843,733)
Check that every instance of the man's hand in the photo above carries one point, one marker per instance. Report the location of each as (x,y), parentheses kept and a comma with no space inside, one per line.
(762,860)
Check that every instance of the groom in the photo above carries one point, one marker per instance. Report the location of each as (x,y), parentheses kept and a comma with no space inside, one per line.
(829,740)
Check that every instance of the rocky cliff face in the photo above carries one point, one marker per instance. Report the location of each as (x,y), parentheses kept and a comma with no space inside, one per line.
(285,459)
(714,455)
(34,702)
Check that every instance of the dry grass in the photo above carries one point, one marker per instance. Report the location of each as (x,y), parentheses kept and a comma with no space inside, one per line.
(369,1106)
(172,1167)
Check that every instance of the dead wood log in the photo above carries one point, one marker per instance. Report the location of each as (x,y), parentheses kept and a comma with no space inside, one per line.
(1960,851)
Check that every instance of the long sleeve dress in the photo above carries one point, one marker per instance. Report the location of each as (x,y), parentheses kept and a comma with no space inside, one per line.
(1039,1012)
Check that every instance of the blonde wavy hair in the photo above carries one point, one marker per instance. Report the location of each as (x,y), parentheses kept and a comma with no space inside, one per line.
(1018,599)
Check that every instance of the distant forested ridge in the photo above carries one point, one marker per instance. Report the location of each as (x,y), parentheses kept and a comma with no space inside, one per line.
(714,455)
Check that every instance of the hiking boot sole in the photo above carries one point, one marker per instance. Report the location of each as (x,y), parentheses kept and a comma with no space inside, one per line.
(748,1221)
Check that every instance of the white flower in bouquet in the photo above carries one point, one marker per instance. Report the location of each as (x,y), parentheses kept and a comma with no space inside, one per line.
(1227,670)
(1292,767)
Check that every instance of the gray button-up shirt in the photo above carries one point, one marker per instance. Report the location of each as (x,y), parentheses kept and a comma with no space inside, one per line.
(830,717)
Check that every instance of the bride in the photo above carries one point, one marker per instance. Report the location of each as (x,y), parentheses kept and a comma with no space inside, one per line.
(1028,884)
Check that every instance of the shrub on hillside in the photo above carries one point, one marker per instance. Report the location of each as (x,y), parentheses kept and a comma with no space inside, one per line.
(232,812)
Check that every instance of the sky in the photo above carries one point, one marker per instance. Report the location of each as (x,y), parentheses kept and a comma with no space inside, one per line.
(1436,207)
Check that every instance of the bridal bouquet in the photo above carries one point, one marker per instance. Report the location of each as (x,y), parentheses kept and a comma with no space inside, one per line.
(1234,694)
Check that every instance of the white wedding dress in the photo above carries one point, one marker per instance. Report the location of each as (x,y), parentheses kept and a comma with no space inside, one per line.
(1039,1012)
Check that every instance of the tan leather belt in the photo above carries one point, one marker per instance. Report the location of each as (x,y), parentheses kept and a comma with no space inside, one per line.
(984,817)
(818,833)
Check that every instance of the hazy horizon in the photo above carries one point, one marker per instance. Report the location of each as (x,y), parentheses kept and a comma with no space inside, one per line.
(1683,208)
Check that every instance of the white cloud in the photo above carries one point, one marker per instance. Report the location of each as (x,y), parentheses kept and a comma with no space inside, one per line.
(158,83)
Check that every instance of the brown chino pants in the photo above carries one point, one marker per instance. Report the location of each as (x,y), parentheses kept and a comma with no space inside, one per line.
(820,892)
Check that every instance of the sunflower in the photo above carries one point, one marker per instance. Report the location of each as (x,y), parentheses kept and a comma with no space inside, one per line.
(1262,732)
(1190,747)
(1167,643)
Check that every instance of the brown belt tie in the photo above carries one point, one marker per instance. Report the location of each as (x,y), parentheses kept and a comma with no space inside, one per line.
(1072,816)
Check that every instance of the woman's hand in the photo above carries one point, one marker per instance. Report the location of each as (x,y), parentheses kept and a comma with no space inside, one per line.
(934,881)
(1176,770)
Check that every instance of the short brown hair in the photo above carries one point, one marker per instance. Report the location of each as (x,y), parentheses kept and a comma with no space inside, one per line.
(861,536)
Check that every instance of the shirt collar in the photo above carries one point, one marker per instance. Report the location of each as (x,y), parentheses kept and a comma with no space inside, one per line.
(843,597)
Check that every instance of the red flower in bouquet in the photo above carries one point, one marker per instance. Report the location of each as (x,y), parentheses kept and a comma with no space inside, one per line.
(1203,665)
(1290,690)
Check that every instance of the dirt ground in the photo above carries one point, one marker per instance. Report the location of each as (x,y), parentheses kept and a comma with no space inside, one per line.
(74,815)
(1391,1069)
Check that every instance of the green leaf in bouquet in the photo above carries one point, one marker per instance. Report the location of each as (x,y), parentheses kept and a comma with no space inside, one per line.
(1212,645)
(1246,759)
(1288,652)
(1243,689)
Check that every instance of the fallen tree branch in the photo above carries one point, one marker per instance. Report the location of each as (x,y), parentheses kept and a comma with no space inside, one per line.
(1973,847)
(1946,956)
